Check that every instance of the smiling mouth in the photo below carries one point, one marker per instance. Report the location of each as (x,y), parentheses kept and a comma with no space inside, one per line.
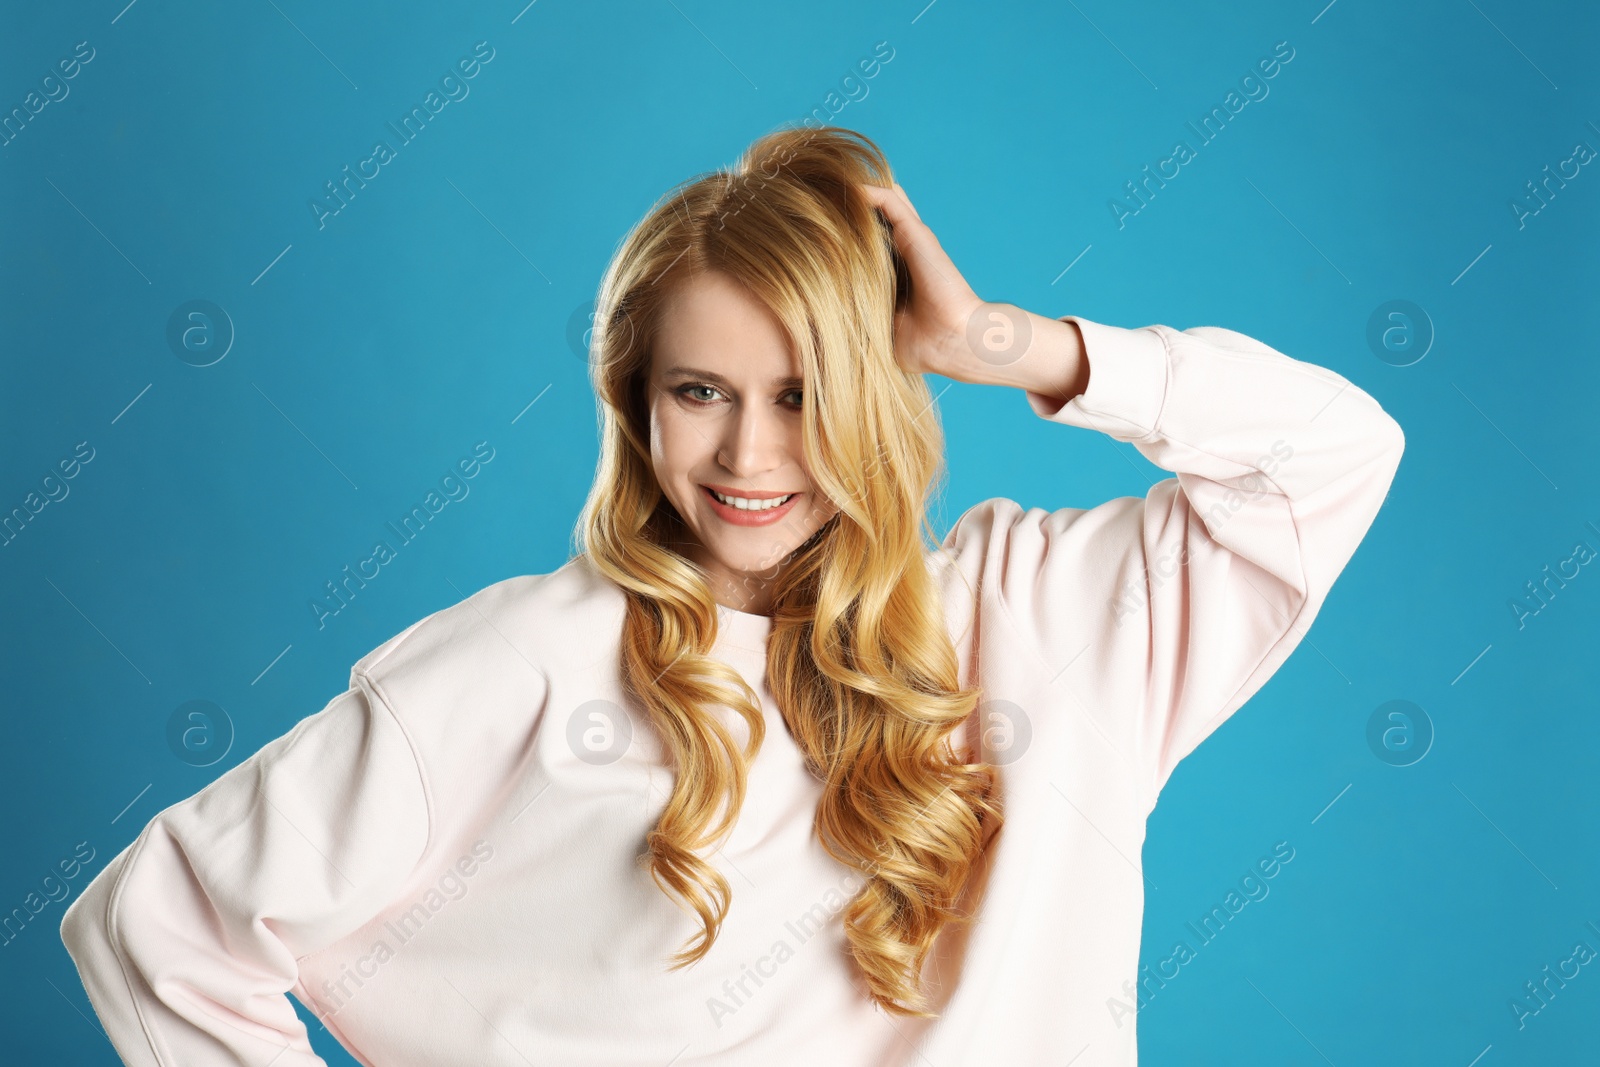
(755,503)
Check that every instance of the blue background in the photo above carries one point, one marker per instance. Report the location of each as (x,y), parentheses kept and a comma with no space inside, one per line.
(371,354)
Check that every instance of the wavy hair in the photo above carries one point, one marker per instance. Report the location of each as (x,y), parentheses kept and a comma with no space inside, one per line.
(858,659)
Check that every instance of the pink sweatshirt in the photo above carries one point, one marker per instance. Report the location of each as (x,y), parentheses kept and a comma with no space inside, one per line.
(442,862)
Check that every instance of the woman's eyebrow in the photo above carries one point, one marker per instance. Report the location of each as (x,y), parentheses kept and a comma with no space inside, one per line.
(711,376)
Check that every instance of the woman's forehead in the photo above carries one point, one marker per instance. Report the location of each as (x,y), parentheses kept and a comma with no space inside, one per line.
(712,327)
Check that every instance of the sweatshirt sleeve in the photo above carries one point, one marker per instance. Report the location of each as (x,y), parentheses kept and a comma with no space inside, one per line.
(1161,616)
(188,940)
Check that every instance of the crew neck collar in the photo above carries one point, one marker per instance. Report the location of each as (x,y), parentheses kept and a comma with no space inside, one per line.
(742,626)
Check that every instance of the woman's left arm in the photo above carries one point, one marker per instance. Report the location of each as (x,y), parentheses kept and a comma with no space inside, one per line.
(1185,602)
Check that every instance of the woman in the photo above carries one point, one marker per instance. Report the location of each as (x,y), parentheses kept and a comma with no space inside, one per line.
(744,783)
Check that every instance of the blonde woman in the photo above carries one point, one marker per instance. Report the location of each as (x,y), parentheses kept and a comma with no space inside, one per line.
(757,783)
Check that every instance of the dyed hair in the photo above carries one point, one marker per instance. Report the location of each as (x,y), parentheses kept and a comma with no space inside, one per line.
(858,660)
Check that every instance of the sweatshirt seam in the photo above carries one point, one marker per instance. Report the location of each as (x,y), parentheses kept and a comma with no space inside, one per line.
(113,921)
(1166,387)
(114,939)
(1166,384)
(1152,785)
(378,691)
(1152,788)
(1041,653)
(394,643)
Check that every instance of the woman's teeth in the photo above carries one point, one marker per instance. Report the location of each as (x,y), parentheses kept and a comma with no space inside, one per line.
(750,505)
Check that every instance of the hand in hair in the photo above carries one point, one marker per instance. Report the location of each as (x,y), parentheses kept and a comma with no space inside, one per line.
(946,328)
(931,329)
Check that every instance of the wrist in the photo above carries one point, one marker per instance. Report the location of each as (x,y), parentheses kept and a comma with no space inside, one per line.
(1007,345)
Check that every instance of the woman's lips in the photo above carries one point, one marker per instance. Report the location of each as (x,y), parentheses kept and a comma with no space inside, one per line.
(748,494)
(742,517)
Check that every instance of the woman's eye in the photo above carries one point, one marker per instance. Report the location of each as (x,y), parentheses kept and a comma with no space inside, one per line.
(690,392)
(684,391)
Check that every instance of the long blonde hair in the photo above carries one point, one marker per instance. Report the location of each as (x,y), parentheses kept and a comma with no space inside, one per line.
(858,659)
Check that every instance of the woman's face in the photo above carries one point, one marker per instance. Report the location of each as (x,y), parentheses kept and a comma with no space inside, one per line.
(725,402)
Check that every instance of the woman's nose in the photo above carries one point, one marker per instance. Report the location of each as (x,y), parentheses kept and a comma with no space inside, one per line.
(754,442)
